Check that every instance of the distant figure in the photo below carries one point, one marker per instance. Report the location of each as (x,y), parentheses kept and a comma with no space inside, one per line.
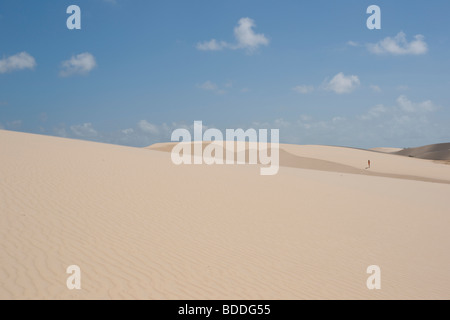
(369,163)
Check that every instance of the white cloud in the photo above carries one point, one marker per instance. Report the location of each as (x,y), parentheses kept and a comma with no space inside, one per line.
(399,45)
(212,45)
(341,83)
(244,90)
(148,127)
(393,126)
(80,64)
(407,105)
(85,130)
(375,88)
(18,61)
(128,131)
(144,134)
(403,122)
(245,36)
(303,89)
(402,111)
(374,112)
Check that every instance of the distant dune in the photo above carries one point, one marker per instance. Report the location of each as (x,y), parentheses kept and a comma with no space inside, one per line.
(140,227)
(430,152)
(386,150)
(345,160)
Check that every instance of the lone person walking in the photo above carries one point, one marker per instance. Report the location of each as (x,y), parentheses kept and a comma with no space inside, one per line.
(369,163)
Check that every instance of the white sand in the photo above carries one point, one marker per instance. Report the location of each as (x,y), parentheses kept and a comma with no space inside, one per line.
(140,227)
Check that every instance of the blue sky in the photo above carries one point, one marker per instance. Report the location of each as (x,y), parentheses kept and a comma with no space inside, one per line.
(139,69)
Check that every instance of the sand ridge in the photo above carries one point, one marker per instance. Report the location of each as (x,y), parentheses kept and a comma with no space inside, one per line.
(346,160)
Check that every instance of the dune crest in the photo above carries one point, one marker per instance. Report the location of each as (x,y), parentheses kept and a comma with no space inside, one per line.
(348,160)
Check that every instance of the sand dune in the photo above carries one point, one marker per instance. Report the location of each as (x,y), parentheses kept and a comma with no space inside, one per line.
(348,160)
(431,152)
(141,227)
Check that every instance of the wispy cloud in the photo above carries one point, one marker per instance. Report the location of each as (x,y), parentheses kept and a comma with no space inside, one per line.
(374,112)
(408,106)
(403,109)
(81,64)
(208,85)
(85,130)
(353,44)
(375,88)
(211,86)
(399,45)
(339,84)
(144,133)
(16,124)
(405,121)
(342,84)
(246,38)
(148,127)
(229,84)
(303,89)
(212,45)
(19,61)
(128,131)
(60,130)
